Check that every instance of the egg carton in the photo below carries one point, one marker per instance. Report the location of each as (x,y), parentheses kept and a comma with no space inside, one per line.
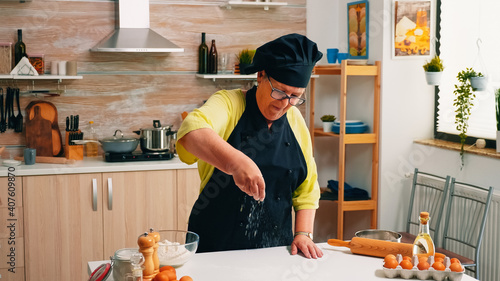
(430,273)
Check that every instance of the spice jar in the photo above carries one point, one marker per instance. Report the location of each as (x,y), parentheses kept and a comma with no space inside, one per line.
(37,61)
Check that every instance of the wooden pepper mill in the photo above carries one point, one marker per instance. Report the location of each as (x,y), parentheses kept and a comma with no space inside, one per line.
(146,244)
(156,261)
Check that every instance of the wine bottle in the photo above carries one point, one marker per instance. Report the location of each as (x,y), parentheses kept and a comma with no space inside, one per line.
(19,47)
(212,59)
(203,56)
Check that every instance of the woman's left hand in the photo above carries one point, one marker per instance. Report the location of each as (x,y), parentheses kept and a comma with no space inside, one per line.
(306,246)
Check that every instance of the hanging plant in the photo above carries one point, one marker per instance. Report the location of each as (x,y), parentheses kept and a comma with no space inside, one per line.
(464,93)
(433,70)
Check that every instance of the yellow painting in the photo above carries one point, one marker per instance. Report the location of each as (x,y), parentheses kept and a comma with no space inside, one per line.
(357,14)
(412,28)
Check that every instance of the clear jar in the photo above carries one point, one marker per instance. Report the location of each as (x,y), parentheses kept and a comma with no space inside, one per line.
(5,57)
(37,61)
(121,263)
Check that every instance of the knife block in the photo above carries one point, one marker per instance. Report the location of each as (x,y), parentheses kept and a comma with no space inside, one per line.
(74,152)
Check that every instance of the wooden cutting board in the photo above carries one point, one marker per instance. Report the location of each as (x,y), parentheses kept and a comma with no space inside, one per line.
(47,141)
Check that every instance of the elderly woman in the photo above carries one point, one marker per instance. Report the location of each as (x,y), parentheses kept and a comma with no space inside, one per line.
(255,158)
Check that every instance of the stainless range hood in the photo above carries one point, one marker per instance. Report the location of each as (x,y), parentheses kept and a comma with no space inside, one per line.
(132,33)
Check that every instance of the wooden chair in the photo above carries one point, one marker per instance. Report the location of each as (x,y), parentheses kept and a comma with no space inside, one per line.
(465,221)
(428,194)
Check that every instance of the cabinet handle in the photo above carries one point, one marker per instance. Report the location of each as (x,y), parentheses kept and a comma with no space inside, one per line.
(110,194)
(94,194)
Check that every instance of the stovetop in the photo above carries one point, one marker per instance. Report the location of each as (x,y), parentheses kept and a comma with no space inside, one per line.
(137,156)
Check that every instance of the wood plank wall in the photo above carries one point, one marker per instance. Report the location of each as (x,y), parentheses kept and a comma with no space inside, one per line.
(128,91)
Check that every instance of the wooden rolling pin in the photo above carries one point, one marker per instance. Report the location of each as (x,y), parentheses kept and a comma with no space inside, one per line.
(2,149)
(373,247)
(47,159)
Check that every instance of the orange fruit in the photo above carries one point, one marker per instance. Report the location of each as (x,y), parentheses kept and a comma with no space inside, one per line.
(162,276)
(389,257)
(456,267)
(454,260)
(167,267)
(407,258)
(439,260)
(423,265)
(391,263)
(438,266)
(186,278)
(406,264)
(172,274)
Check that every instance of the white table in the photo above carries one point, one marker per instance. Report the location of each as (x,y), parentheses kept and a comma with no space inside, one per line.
(278,264)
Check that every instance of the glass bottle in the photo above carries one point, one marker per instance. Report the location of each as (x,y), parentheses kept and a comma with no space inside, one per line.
(213,59)
(423,245)
(19,48)
(203,56)
(91,148)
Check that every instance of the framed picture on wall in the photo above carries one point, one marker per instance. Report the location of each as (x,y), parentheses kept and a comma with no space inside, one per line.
(357,29)
(411,29)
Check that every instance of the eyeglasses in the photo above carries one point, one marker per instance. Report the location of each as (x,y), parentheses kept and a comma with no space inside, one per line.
(280,95)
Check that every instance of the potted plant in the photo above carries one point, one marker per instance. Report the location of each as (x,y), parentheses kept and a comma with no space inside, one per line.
(244,58)
(433,70)
(328,122)
(497,107)
(478,81)
(464,93)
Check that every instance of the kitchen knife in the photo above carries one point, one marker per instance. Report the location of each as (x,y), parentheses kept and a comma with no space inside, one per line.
(67,123)
(71,120)
(77,120)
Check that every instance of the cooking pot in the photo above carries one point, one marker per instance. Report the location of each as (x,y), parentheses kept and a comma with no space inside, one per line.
(385,235)
(115,144)
(157,139)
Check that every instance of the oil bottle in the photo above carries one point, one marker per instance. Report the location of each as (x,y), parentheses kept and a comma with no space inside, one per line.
(91,148)
(423,245)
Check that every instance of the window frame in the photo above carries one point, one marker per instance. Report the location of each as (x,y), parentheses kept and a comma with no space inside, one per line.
(441,135)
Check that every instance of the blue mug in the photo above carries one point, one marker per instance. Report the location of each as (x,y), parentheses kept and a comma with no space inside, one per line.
(29,156)
(342,56)
(331,55)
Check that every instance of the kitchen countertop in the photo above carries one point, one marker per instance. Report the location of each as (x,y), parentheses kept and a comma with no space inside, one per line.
(337,263)
(95,165)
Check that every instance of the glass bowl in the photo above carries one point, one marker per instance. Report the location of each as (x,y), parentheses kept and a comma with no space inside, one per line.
(176,247)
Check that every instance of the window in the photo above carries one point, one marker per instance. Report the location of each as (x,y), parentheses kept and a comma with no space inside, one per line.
(467,33)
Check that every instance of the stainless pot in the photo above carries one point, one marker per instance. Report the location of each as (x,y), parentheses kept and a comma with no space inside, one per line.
(157,139)
(385,235)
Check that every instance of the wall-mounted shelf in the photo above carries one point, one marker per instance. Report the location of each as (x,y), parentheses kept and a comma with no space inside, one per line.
(246,4)
(38,77)
(234,76)
(228,76)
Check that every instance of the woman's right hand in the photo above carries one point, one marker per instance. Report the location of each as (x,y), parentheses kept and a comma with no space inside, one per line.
(207,145)
(249,179)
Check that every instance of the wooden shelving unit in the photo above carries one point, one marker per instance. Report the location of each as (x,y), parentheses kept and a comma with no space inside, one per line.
(345,70)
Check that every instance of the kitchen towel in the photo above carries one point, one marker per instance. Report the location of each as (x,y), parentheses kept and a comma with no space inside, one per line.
(350,193)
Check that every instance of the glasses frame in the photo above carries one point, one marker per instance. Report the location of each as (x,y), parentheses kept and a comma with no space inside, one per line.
(284,95)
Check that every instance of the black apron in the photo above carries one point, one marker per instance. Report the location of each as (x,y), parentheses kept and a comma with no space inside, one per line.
(228,219)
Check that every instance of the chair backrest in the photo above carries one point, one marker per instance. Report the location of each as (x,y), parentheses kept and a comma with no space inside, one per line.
(428,194)
(465,221)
